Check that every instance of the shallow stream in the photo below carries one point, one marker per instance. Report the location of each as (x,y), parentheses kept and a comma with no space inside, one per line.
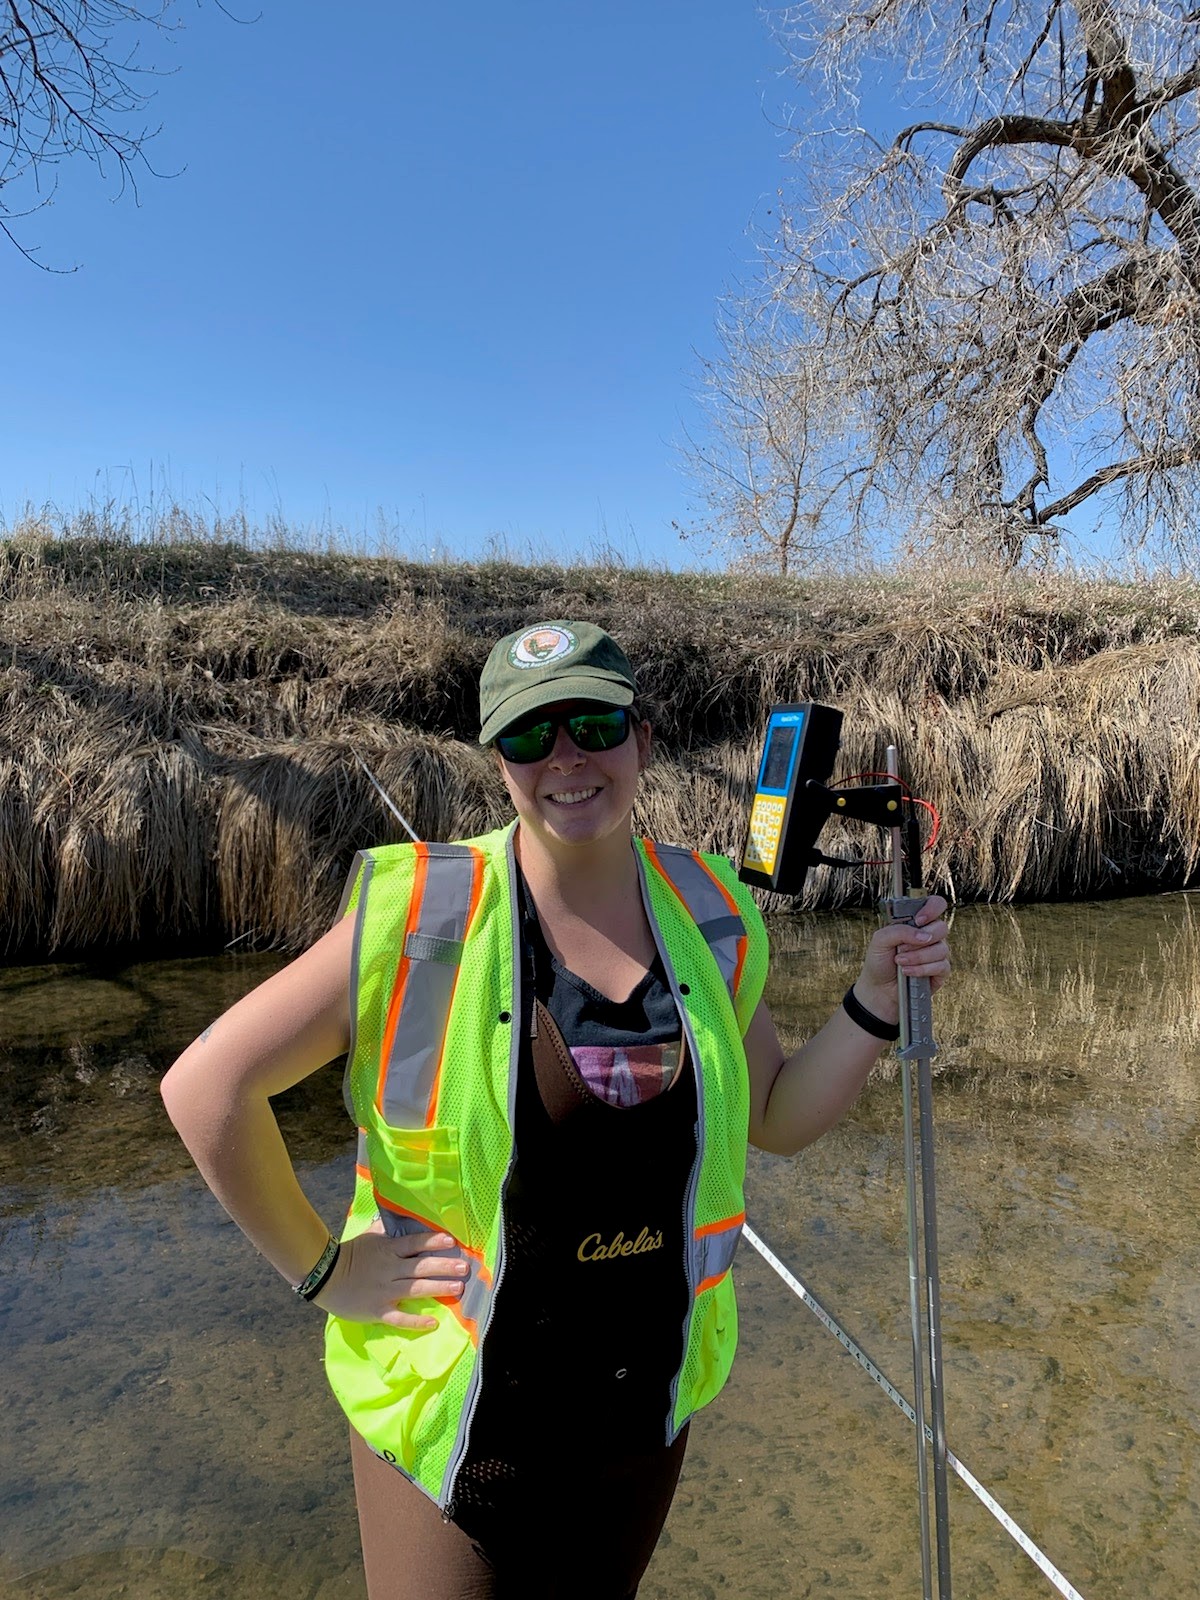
(166,1430)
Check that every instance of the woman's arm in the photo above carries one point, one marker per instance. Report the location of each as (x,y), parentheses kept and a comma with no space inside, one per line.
(795,1099)
(218,1096)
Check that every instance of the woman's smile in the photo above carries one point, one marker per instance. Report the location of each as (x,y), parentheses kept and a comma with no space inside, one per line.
(572,797)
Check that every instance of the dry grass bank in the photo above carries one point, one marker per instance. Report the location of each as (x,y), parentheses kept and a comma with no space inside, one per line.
(178,723)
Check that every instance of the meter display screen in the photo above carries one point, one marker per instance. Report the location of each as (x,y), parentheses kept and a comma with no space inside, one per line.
(777,760)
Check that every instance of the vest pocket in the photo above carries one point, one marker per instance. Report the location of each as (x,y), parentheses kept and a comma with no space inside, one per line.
(399,1386)
(401,1389)
(716,1341)
(417,1174)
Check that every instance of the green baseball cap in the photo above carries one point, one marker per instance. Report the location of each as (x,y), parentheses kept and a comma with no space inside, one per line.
(547,662)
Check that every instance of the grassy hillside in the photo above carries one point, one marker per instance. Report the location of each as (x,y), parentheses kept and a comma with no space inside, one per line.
(179,723)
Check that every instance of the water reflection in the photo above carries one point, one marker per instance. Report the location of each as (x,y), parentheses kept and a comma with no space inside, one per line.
(167,1429)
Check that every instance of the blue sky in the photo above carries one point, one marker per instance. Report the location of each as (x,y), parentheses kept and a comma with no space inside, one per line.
(440,269)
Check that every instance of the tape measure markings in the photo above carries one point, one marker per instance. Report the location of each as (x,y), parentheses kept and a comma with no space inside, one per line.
(1039,1559)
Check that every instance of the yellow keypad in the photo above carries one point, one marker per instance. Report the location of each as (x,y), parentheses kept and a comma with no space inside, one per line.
(766,825)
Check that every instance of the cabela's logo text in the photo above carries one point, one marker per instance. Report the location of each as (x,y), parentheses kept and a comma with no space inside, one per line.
(594,1248)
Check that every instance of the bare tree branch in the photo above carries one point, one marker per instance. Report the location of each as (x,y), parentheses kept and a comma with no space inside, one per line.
(68,88)
(1001,131)
(951,323)
(1182,83)
(1158,461)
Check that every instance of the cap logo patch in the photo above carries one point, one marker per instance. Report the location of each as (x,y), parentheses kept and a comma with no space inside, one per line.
(540,646)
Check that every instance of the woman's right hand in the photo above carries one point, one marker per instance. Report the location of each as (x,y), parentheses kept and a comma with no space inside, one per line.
(376,1272)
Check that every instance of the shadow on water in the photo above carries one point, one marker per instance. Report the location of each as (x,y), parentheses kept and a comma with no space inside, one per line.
(167,1430)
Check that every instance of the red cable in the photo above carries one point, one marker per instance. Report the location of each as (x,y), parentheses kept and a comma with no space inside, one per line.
(935,814)
(928,805)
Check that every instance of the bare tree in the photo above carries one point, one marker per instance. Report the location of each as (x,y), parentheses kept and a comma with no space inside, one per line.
(71,84)
(990,319)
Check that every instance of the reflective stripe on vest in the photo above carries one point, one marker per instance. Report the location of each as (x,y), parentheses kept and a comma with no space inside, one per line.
(715,1247)
(444,897)
(446,888)
(710,905)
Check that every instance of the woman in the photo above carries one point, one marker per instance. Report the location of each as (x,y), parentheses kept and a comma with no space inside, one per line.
(557,1048)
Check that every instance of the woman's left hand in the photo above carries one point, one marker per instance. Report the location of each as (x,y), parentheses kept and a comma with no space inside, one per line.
(919,949)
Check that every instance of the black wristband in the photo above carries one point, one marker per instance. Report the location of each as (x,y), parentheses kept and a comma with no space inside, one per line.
(319,1276)
(867,1020)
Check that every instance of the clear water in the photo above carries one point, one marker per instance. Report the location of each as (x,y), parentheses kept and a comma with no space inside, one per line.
(166,1430)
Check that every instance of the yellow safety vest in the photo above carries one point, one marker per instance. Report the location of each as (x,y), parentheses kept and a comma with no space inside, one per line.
(431,1083)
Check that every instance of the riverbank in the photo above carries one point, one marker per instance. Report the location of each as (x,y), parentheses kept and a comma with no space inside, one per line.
(179,723)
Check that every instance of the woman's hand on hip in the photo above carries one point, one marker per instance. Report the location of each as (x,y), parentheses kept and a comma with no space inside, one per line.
(377,1272)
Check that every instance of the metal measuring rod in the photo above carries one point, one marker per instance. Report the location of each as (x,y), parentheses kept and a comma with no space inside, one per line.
(790,806)
(917,1048)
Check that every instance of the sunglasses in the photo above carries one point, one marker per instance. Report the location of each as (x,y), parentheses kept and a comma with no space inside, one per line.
(590,730)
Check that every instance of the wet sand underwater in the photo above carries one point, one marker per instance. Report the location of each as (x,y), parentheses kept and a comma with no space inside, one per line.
(168,1434)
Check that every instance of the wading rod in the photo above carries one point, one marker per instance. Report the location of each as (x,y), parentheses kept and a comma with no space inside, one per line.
(914,1312)
(917,1048)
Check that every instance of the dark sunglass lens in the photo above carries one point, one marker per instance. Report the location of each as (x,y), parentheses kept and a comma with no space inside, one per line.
(599,730)
(527,744)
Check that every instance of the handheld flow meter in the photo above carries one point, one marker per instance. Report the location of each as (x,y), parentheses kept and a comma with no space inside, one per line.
(800,748)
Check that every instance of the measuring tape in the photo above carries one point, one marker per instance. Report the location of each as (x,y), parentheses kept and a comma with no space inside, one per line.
(827,1320)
